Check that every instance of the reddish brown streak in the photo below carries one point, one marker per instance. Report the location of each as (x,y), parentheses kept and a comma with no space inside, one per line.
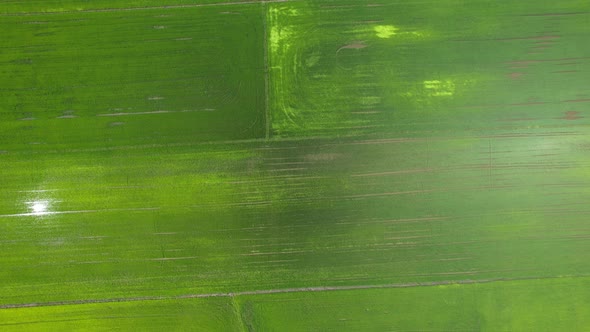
(571,115)
(577,101)
(515,75)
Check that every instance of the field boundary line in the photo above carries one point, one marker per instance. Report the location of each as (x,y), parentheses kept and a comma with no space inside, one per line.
(238,312)
(267,118)
(109,10)
(316,289)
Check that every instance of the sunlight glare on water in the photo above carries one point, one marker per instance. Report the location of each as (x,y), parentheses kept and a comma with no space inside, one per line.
(39,207)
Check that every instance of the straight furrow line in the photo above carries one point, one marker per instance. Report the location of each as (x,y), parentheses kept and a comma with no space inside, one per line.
(266,67)
(400,140)
(110,10)
(284,290)
(41,214)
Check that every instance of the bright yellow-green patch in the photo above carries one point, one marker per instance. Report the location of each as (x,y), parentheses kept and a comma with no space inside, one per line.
(385,31)
(279,37)
(438,88)
(279,34)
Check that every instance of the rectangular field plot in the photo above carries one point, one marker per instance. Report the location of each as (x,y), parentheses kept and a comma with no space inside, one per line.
(25,7)
(256,216)
(211,314)
(558,304)
(97,80)
(384,68)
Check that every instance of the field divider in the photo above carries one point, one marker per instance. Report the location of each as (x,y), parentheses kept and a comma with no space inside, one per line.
(267,118)
(316,289)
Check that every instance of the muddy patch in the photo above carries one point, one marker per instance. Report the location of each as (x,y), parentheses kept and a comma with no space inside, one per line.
(571,115)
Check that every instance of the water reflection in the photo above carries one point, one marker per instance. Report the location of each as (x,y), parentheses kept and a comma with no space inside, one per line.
(39,205)
(39,208)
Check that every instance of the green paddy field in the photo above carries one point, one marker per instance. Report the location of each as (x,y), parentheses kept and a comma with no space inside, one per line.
(295,165)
